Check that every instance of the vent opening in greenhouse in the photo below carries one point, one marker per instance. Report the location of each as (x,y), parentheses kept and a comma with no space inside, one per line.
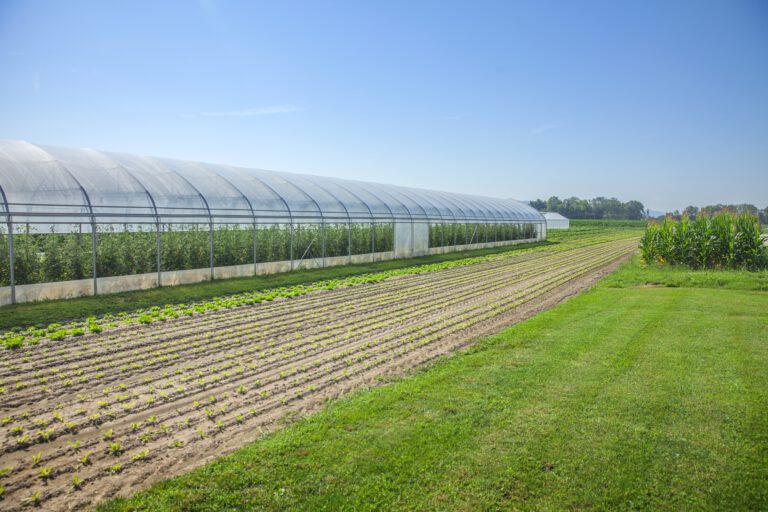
(82,222)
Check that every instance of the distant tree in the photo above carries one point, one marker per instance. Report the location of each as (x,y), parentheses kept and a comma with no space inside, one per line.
(553,204)
(597,208)
(633,210)
(743,208)
(691,212)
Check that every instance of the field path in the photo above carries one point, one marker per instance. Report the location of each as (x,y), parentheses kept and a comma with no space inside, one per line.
(120,410)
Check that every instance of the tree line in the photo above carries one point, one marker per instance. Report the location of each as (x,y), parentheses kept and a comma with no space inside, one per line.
(612,208)
(597,208)
(693,212)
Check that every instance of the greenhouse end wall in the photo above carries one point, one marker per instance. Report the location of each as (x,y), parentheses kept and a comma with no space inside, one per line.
(409,240)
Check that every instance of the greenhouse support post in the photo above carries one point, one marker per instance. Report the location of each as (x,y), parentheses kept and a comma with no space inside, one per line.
(442,234)
(10,260)
(158,229)
(255,245)
(210,246)
(322,239)
(93,256)
(349,240)
(373,241)
(290,245)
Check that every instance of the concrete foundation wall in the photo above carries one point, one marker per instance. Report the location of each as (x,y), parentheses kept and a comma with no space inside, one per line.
(116,284)
(48,291)
(5,295)
(233,271)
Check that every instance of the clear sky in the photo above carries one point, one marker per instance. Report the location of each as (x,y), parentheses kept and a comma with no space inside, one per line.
(661,101)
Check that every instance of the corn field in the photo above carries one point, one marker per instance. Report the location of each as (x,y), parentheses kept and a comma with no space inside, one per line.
(723,241)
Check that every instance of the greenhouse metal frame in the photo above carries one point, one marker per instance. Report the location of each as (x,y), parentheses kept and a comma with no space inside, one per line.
(79,215)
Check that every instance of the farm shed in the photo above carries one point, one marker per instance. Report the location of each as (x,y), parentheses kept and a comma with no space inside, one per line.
(81,222)
(556,221)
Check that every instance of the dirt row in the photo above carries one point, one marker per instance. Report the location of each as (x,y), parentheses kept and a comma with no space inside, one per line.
(110,413)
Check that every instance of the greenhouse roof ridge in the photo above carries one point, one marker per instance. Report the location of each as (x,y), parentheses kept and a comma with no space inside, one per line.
(50,184)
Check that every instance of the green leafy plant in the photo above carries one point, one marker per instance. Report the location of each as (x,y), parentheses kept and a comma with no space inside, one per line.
(115,449)
(77,482)
(141,455)
(45,472)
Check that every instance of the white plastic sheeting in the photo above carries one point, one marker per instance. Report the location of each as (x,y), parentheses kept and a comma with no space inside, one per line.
(556,221)
(43,184)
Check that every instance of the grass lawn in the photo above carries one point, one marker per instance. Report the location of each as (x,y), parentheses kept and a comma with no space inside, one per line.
(626,397)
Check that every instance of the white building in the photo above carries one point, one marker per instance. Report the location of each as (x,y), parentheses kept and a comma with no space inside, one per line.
(556,221)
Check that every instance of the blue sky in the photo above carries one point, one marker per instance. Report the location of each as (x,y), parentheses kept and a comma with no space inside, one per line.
(665,102)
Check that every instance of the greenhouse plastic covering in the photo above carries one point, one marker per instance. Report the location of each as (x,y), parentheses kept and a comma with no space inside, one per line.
(53,185)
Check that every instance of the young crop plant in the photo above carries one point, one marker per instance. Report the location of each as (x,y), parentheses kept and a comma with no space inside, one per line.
(115,449)
(77,482)
(140,455)
(45,435)
(45,472)
(33,499)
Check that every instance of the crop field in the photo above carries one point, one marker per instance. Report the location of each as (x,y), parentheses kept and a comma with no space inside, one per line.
(114,409)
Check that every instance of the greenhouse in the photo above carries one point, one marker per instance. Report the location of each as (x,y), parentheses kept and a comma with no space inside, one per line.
(556,221)
(83,222)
